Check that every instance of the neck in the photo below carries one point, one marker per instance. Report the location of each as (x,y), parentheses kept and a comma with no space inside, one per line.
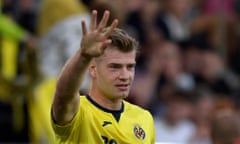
(104,101)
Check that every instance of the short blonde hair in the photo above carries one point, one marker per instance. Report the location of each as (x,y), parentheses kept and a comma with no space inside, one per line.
(123,41)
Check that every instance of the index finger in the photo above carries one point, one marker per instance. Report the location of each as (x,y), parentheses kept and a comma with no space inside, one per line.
(93,23)
(111,28)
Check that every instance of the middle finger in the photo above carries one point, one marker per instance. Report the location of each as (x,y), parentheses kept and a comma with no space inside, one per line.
(103,21)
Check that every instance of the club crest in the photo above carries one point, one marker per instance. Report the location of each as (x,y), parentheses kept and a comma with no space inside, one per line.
(139,132)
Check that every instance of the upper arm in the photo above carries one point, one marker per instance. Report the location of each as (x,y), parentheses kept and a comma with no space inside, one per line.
(65,129)
(63,109)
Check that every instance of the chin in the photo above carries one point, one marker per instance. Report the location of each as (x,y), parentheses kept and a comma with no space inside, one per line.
(121,94)
(125,95)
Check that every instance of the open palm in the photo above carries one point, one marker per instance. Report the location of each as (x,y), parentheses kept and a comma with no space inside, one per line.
(96,40)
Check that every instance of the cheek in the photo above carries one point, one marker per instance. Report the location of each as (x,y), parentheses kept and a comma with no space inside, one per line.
(107,76)
(132,75)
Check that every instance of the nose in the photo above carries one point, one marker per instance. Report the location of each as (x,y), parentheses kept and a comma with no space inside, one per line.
(124,74)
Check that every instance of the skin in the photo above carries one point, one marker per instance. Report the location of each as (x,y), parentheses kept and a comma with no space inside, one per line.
(111,71)
(112,76)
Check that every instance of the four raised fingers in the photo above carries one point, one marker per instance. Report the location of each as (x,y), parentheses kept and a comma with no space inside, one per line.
(101,25)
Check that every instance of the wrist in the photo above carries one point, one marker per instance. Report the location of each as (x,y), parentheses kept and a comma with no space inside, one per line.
(85,56)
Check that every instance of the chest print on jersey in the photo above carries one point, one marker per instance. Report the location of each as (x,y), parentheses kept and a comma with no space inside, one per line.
(139,132)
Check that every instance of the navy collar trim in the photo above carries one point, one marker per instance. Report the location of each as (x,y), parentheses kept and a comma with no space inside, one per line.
(103,108)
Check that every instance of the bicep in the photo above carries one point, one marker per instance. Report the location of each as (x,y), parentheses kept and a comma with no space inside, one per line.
(64,110)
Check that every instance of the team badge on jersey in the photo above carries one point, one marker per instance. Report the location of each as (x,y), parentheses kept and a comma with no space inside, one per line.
(139,132)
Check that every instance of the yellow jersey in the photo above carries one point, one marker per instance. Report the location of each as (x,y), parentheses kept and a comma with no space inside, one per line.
(94,124)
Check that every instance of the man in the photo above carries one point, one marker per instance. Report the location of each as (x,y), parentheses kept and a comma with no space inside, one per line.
(225,127)
(102,117)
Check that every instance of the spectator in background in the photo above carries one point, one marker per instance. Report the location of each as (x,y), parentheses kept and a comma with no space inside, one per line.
(174,23)
(208,68)
(216,19)
(14,82)
(216,75)
(174,125)
(172,68)
(141,19)
(163,67)
(59,33)
(173,72)
(203,106)
(191,51)
(225,127)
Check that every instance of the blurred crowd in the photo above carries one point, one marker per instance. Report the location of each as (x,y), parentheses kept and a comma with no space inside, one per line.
(187,73)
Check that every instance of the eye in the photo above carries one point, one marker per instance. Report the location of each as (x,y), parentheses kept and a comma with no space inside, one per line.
(131,67)
(115,66)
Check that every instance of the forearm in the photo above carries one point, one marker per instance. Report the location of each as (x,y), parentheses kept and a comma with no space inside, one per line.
(66,98)
(72,74)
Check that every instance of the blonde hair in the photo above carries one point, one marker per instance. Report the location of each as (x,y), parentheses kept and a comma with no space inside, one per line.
(122,41)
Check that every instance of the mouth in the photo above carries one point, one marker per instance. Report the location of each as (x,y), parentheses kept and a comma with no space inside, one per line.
(122,87)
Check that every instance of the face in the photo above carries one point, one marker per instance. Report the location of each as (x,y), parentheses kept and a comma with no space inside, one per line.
(179,7)
(114,73)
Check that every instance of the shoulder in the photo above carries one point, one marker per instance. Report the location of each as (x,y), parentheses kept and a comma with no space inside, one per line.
(137,110)
(83,98)
(85,104)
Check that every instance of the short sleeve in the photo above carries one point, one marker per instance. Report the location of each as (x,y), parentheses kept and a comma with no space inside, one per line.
(65,130)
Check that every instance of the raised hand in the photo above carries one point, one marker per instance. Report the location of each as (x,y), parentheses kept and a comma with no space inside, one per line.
(96,40)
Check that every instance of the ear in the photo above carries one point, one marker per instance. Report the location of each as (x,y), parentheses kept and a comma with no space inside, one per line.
(92,69)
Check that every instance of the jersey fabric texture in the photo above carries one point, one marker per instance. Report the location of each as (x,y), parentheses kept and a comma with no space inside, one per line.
(94,124)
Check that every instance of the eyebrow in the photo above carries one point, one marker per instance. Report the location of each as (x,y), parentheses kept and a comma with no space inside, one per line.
(134,63)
